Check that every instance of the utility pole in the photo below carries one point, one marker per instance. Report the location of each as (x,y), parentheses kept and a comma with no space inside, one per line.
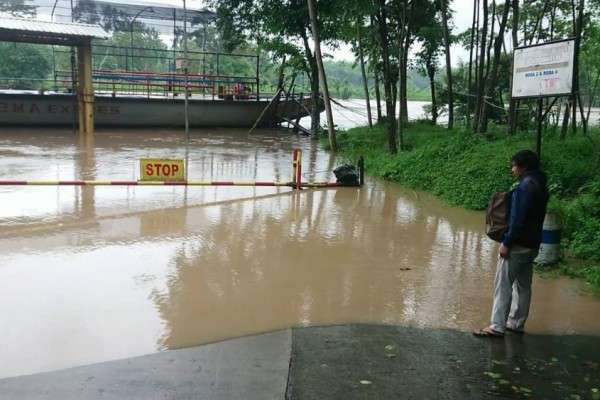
(185,71)
(186,101)
(323,78)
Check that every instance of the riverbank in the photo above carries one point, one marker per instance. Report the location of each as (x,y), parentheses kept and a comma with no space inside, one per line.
(464,169)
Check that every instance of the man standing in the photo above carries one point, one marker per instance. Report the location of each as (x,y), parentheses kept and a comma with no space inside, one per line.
(519,247)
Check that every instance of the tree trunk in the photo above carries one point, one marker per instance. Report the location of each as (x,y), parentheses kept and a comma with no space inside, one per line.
(491,41)
(476,62)
(491,81)
(512,108)
(565,123)
(481,83)
(404,78)
(375,68)
(315,114)
(363,71)
(377,94)
(322,77)
(576,65)
(448,64)
(431,75)
(592,96)
(401,81)
(387,77)
(470,78)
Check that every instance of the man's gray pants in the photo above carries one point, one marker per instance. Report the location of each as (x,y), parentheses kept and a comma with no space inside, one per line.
(512,289)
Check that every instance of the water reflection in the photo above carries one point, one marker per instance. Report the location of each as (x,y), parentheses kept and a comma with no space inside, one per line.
(112,272)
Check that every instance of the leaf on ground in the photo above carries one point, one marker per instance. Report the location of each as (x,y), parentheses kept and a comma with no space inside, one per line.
(493,375)
(498,362)
(595,394)
(390,355)
(365,382)
(503,382)
(554,359)
(524,389)
(390,347)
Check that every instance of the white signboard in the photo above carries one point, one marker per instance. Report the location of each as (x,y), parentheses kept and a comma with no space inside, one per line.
(543,70)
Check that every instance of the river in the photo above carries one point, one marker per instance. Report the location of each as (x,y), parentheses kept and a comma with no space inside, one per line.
(100,273)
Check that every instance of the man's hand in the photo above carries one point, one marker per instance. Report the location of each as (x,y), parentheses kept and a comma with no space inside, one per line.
(504,251)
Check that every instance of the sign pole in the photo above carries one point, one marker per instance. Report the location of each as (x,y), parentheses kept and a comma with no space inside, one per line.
(186,101)
(540,118)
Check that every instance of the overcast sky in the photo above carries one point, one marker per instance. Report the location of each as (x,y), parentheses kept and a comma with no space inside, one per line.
(463,14)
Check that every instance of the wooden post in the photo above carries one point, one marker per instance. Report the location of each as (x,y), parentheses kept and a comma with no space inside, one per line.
(297,169)
(85,91)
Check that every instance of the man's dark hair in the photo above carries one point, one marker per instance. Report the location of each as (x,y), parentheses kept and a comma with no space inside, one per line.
(527,159)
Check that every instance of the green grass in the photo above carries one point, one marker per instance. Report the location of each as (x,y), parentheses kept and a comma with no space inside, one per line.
(465,169)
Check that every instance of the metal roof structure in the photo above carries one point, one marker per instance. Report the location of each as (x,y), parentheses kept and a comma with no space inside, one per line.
(155,11)
(45,32)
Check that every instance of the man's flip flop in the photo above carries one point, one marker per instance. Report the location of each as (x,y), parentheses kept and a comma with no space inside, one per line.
(488,332)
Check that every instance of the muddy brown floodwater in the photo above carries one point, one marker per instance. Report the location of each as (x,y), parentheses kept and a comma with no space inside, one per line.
(93,274)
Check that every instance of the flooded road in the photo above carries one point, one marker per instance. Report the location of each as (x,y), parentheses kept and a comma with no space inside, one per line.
(94,274)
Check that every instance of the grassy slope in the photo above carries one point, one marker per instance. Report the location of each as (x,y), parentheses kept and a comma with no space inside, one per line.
(463,169)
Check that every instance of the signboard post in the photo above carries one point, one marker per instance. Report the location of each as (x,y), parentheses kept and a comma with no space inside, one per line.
(543,70)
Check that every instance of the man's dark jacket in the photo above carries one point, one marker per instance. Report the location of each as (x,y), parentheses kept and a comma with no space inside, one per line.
(527,211)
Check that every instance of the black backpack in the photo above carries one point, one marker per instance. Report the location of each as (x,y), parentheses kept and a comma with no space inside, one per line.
(347,175)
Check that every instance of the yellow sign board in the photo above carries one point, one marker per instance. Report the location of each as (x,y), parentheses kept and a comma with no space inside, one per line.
(155,169)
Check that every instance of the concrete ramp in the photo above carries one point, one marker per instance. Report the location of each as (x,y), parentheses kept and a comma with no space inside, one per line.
(254,367)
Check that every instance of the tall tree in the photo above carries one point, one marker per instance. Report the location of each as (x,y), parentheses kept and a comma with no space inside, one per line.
(312,11)
(470,76)
(377,85)
(361,56)
(431,44)
(388,80)
(492,77)
(512,110)
(481,66)
(446,30)
(375,66)
(281,27)
(578,34)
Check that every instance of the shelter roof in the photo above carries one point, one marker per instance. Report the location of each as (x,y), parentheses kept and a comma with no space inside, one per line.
(151,11)
(46,32)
